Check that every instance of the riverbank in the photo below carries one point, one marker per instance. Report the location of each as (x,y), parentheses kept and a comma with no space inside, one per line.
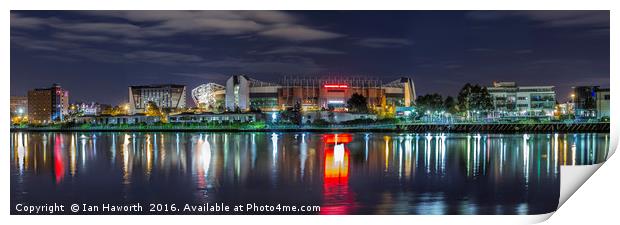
(414,128)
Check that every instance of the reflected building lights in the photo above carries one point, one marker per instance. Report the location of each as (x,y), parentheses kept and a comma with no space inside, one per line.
(202,160)
(177,142)
(72,155)
(59,163)
(366,139)
(113,149)
(125,152)
(573,149)
(584,145)
(337,199)
(21,152)
(416,153)
(162,150)
(555,153)
(593,150)
(437,151)
(408,152)
(442,138)
(83,150)
(274,158)
(149,155)
(400,157)
(386,139)
(253,143)
(477,152)
(94,146)
(548,156)
(427,152)
(526,160)
(303,150)
(274,150)
(341,167)
(468,155)
(501,156)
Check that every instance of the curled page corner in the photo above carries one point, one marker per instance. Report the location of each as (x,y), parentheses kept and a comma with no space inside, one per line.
(572,177)
(539,218)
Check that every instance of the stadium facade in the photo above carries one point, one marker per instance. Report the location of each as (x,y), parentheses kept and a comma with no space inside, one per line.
(243,93)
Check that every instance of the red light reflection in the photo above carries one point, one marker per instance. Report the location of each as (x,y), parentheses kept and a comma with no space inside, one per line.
(337,200)
(59,164)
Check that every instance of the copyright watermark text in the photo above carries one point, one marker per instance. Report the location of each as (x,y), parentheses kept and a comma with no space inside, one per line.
(162,208)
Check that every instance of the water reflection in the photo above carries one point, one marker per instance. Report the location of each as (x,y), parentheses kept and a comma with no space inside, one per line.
(357,173)
(337,198)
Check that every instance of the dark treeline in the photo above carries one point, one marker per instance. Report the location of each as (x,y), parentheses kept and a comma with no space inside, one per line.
(471,99)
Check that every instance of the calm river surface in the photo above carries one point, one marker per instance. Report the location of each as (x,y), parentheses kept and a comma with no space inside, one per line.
(343,173)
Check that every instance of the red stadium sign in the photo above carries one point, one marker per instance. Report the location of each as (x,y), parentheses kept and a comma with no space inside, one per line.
(336,86)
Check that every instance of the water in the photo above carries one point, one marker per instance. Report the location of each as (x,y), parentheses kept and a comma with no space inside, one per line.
(343,173)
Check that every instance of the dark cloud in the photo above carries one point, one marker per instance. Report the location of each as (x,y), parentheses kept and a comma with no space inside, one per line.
(384,42)
(204,75)
(302,50)
(78,37)
(299,33)
(553,18)
(272,24)
(289,64)
(163,57)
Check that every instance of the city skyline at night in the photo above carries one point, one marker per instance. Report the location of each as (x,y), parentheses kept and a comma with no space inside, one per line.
(322,110)
(96,55)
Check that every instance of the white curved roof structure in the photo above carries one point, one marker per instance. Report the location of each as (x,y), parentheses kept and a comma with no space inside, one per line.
(206,94)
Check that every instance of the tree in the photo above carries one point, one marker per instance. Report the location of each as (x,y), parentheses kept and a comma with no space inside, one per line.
(465,99)
(485,102)
(357,103)
(474,98)
(152,109)
(116,110)
(430,102)
(449,104)
(294,114)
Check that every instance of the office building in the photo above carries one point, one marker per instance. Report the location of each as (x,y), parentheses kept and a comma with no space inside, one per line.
(584,98)
(48,104)
(602,103)
(510,100)
(168,97)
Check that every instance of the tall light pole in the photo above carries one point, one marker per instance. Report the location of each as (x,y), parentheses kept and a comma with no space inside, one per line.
(572,96)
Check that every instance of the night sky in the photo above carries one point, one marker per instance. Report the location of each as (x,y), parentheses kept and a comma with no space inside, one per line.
(97,54)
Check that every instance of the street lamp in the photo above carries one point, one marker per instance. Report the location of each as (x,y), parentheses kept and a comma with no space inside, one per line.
(274,116)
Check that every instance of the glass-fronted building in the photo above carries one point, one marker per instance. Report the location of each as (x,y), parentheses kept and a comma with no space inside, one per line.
(165,96)
(510,100)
